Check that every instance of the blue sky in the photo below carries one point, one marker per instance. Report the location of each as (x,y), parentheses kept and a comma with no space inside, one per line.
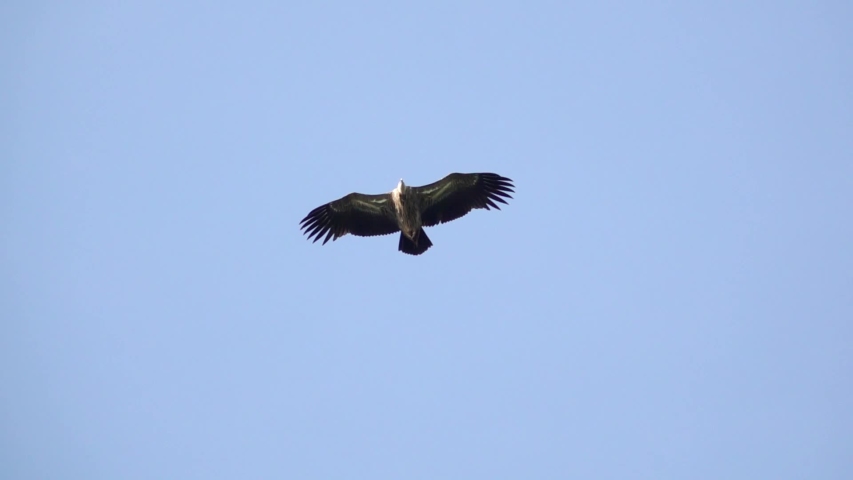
(669,294)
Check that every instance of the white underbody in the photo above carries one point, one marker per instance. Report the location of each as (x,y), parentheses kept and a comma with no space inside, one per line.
(407,209)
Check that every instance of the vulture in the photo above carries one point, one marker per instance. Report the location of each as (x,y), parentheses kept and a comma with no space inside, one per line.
(407,209)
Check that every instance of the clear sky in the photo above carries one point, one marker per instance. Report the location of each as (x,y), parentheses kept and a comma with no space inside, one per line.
(668,296)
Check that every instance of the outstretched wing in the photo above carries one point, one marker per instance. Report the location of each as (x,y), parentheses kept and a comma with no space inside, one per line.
(358,214)
(458,193)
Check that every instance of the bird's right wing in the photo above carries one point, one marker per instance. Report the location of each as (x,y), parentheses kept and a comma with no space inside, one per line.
(356,213)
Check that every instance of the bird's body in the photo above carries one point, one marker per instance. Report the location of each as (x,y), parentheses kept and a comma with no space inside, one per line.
(407,209)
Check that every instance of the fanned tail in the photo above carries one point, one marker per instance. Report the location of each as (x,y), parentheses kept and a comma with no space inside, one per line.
(408,246)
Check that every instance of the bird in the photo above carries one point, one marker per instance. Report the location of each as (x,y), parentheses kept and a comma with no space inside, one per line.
(407,209)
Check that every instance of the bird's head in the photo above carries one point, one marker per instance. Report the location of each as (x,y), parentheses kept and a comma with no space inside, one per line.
(401,185)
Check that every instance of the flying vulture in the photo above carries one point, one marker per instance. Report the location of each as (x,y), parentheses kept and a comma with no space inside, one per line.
(407,209)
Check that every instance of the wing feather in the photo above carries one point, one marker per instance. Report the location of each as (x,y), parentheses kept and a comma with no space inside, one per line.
(457,194)
(357,213)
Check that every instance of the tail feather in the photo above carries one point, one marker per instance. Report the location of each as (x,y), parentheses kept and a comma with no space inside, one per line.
(408,246)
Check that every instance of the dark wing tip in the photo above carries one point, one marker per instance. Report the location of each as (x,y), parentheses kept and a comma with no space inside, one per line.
(496,188)
(317,224)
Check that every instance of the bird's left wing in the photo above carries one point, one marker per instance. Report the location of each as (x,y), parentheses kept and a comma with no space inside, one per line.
(458,193)
(357,213)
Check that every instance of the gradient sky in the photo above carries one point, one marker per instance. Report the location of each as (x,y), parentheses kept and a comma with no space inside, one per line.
(668,296)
